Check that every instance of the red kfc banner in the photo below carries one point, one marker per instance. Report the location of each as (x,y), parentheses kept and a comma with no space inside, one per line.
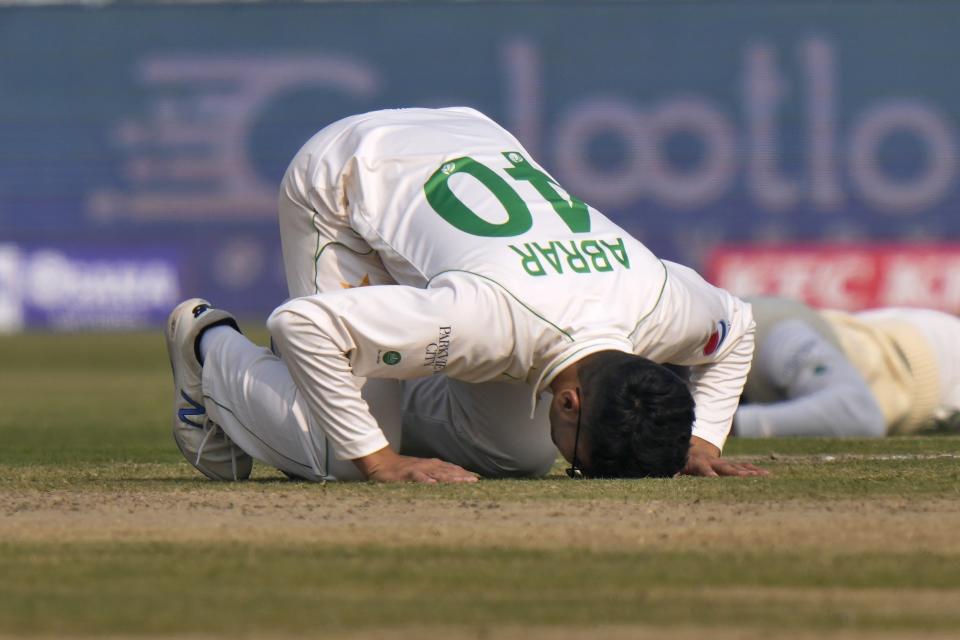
(848,277)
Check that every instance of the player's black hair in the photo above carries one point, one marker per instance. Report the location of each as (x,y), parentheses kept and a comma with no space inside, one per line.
(637,416)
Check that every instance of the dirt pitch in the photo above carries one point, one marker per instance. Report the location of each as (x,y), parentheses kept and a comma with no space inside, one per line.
(250,515)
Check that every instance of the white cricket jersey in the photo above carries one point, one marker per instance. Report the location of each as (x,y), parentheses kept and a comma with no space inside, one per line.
(509,277)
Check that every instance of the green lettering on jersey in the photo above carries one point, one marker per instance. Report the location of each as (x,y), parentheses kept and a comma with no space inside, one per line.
(575,259)
(451,208)
(619,251)
(550,254)
(583,256)
(529,260)
(572,210)
(597,255)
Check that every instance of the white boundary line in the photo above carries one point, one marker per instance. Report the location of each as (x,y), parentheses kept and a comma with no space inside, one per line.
(845,457)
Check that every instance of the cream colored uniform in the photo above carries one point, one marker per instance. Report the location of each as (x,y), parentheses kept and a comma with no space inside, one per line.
(498,279)
(866,374)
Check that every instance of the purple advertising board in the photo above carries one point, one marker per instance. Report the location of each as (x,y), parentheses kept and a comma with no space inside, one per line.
(69,287)
(690,124)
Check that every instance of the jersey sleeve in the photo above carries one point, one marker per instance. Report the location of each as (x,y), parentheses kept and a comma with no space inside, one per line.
(332,341)
(824,395)
(716,388)
(711,332)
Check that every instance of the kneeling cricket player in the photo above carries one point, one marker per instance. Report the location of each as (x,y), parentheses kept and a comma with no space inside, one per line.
(441,282)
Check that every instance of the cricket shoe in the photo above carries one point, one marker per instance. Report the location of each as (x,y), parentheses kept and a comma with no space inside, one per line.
(201,441)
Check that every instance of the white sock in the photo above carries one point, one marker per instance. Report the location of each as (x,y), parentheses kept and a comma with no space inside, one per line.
(214,335)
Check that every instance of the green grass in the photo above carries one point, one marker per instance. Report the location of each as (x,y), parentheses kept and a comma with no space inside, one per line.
(791,479)
(90,413)
(229,589)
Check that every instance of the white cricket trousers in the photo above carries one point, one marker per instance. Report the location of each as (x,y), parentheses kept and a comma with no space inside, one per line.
(485,427)
(249,392)
(482,427)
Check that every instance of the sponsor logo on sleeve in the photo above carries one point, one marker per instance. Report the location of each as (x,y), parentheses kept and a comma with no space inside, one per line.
(437,353)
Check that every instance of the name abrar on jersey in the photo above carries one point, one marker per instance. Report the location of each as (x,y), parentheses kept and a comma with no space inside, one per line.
(528,278)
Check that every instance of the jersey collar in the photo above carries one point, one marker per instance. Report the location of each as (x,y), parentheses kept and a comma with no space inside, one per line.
(573,353)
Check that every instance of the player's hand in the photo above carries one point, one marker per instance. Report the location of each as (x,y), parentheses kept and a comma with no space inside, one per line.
(704,460)
(387,466)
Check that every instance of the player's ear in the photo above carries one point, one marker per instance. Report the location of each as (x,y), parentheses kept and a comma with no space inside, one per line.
(569,400)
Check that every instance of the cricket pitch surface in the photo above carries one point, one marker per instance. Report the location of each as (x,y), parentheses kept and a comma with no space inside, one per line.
(105,532)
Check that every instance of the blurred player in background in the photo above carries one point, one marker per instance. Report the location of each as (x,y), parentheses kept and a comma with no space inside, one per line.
(866,374)
(426,246)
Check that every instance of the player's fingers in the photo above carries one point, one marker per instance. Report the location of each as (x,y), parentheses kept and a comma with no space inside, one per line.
(692,469)
(421,476)
(705,469)
(464,479)
(751,470)
(448,469)
(454,479)
(454,468)
(730,469)
(733,471)
(755,470)
(454,474)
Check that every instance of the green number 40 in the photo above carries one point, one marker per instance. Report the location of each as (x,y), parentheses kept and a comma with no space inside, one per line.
(441,197)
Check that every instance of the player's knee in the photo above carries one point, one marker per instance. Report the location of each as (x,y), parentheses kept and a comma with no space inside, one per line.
(287,319)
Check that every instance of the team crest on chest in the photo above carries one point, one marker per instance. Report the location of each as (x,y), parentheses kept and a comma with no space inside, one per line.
(720,331)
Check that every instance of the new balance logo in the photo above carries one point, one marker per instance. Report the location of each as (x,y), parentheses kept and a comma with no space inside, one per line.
(195,409)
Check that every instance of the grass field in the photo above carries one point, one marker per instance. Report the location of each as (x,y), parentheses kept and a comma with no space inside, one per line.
(106,532)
